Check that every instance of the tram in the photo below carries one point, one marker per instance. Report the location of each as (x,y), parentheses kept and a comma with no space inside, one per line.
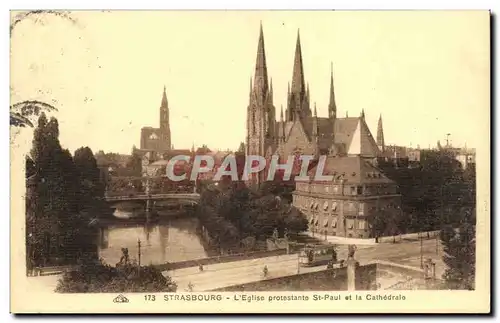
(317,255)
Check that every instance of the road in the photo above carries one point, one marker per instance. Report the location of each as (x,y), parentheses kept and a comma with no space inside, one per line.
(246,271)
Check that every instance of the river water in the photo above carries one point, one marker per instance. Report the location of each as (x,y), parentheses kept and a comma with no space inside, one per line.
(163,241)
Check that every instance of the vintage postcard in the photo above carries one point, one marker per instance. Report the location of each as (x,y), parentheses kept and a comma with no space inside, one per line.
(250,162)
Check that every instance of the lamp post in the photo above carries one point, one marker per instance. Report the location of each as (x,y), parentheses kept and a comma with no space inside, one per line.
(139,253)
(421,251)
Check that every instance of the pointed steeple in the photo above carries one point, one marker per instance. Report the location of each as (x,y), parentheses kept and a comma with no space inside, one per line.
(298,84)
(363,113)
(380,135)
(271,91)
(261,81)
(164,131)
(315,130)
(283,134)
(332,106)
(164,101)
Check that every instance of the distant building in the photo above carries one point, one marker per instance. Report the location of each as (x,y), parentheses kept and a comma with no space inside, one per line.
(158,139)
(349,205)
(466,157)
(413,155)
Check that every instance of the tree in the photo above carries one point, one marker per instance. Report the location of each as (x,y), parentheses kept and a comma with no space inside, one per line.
(101,278)
(459,256)
(57,229)
(134,164)
(91,187)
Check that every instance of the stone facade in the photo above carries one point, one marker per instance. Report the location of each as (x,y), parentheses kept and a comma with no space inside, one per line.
(158,139)
(300,130)
(348,205)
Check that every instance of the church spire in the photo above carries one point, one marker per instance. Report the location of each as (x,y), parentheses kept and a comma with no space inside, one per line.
(165,139)
(260,80)
(298,84)
(380,135)
(315,130)
(332,106)
(271,91)
(363,113)
(164,101)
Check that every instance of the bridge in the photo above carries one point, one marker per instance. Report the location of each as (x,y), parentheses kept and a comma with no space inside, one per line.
(154,197)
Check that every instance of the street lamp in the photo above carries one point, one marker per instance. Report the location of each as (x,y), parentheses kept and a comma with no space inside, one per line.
(421,251)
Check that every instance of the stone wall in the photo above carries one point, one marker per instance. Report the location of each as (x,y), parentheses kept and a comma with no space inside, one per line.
(325,280)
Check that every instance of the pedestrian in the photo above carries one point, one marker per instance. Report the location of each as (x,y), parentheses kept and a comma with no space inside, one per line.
(265,271)
(201,267)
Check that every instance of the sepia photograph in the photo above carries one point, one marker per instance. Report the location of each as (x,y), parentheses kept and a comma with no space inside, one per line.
(221,158)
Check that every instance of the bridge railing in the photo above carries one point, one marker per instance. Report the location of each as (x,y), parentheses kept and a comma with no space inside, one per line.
(154,185)
(151,196)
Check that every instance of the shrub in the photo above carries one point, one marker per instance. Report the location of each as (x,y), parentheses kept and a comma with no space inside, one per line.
(102,278)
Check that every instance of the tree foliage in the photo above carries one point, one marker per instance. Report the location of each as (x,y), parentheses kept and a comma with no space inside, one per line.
(460,256)
(65,194)
(101,278)
(434,193)
(234,213)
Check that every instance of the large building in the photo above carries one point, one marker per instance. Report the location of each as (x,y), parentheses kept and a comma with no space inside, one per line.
(158,139)
(360,201)
(300,130)
(359,197)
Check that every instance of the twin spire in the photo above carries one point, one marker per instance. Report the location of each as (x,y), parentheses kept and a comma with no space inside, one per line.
(260,85)
(298,83)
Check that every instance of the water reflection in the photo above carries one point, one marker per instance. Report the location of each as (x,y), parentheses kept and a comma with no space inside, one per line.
(170,241)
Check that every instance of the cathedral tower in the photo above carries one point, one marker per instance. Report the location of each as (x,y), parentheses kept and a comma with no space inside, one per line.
(165,139)
(261,117)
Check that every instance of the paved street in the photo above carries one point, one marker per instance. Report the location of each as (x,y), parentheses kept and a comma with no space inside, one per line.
(246,271)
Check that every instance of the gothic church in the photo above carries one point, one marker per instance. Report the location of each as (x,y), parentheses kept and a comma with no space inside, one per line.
(299,129)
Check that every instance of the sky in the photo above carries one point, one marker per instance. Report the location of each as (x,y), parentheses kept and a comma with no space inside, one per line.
(426,72)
